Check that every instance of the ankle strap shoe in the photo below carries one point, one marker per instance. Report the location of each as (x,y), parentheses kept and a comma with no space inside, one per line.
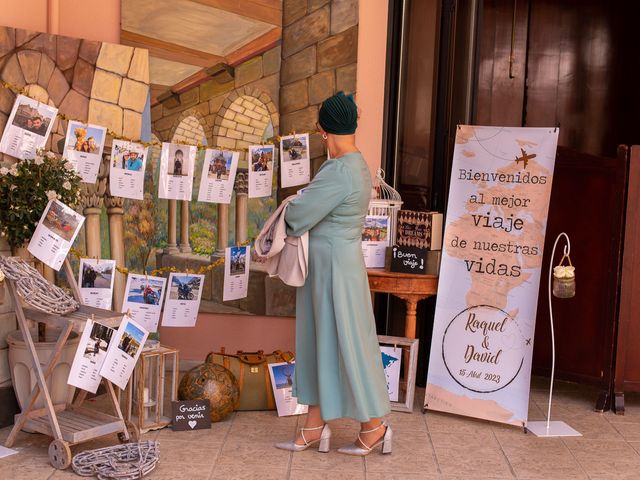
(324,440)
(386,443)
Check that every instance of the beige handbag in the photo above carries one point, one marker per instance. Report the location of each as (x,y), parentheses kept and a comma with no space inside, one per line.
(252,373)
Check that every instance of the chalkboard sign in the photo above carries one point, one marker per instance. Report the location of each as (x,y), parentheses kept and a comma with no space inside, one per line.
(409,260)
(191,414)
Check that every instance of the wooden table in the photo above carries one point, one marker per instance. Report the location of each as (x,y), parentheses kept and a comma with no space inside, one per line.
(409,287)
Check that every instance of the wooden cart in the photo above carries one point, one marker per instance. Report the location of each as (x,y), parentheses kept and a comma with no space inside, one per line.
(68,424)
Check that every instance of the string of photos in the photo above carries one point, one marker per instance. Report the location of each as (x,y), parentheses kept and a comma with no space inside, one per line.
(24,137)
(23,91)
(31,122)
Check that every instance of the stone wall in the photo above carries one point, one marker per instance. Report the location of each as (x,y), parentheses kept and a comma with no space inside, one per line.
(257,80)
(319,58)
(102,83)
(232,115)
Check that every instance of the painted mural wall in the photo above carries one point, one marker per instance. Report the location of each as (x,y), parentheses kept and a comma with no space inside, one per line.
(87,80)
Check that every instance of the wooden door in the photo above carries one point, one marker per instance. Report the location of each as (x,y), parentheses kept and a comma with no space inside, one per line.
(627,356)
(587,202)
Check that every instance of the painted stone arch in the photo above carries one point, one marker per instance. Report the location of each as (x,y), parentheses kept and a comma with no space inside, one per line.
(189,127)
(247,115)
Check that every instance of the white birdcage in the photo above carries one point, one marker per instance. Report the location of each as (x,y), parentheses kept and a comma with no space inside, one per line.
(385,200)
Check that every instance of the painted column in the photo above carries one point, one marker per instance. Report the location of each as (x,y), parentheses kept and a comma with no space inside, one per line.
(115,212)
(242,205)
(172,245)
(185,247)
(223,229)
(92,200)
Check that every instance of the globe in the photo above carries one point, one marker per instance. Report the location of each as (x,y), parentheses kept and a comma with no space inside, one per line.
(211,381)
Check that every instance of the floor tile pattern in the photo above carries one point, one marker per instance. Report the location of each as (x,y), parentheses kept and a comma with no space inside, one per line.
(426,446)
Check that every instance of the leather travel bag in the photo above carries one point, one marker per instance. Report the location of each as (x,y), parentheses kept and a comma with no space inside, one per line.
(252,373)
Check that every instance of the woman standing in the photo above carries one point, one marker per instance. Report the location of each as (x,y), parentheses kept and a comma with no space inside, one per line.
(339,369)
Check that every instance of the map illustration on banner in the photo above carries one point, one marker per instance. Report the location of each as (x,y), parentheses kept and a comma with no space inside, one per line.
(482,344)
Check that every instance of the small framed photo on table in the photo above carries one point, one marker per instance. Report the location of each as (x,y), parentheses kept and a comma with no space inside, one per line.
(399,360)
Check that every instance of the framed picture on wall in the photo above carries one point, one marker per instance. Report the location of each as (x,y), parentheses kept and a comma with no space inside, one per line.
(399,360)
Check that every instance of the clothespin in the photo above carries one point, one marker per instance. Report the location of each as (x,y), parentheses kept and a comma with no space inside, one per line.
(395,347)
(128,314)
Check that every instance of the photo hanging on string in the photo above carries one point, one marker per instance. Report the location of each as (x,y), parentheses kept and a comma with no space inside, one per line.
(95,280)
(126,175)
(27,128)
(296,164)
(177,165)
(55,234)
(261,160)
(218,176)
(236,273)
(183,301)
(83,148)
(143,299)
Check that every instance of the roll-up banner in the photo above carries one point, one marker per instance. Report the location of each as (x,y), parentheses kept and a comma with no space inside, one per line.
(482,344)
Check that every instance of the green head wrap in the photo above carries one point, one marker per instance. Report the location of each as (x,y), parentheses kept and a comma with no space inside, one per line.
(339,114)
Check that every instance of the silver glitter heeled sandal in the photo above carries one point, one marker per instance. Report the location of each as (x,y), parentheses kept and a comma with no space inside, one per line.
(361,452)
(325,438)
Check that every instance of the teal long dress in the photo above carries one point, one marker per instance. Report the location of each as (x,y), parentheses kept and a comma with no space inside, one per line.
(338,360)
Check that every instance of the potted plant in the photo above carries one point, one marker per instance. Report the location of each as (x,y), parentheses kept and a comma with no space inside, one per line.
(25,190)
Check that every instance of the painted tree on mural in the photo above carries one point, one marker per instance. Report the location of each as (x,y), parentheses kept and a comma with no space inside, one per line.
(140,241)
(141,218)
(203,227)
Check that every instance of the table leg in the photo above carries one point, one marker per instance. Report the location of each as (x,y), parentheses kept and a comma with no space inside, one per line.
(410,319)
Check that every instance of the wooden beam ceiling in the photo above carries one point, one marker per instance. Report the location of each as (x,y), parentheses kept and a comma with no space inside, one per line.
(268,11)
(170,51)
(255,47)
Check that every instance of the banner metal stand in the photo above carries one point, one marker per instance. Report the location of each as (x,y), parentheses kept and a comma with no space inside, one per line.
(555,428)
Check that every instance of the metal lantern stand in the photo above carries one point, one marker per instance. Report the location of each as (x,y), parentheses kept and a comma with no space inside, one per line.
(68,424)
(553,428)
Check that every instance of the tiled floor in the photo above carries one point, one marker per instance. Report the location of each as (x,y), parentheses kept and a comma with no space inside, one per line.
(431,446)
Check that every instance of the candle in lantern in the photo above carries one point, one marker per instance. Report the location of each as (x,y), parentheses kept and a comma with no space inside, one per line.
(145,395)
